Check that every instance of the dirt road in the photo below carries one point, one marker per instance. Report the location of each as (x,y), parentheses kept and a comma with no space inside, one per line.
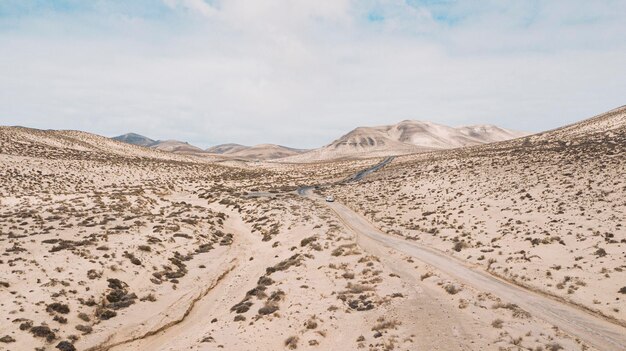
(592,329)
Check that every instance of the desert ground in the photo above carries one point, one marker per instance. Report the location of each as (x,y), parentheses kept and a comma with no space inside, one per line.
(111,246)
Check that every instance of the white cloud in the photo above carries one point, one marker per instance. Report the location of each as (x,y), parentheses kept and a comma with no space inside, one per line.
(199,6)
(302,72)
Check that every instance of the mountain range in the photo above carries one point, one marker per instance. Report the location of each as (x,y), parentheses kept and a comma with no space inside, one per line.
(403,138)
(406,137)
(175,146)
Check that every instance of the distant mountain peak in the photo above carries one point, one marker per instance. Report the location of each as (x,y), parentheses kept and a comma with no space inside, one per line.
(404,137)
(135,139)
(226,148)
(407,136)
(170,145)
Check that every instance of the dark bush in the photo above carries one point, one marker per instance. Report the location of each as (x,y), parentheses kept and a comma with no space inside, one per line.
(294,260)
(60,319)
(58,307)
(452,289)
(292,342)
(66,346)
(85,329)
(241,307)
(107,314)
(459,245)
(42,331)
(7,339)
(116,283)
(307,241)
(265,280)
(268,309)
(259,291)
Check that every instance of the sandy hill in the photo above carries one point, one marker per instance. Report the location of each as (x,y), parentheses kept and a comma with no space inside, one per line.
(265,152)
(404,138)
(112,246)
(176,146)
(72,144)
(223,151)
(257,152)
(226,148)
(437,136)
(613,120)
(545,211)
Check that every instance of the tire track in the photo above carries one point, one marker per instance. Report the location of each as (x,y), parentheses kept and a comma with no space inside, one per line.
(596,331)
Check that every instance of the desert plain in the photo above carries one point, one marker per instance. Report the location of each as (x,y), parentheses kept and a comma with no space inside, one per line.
(512,244)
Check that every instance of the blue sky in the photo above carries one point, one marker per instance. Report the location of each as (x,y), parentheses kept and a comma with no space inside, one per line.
(301,73)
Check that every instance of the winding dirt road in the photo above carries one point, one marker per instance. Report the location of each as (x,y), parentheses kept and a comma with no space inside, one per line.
(593,330)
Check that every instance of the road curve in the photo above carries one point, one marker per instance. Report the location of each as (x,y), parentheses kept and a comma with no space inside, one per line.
(358,176)
(593,330)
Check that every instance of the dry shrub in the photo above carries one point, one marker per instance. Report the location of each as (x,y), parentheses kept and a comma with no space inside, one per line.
(292,342)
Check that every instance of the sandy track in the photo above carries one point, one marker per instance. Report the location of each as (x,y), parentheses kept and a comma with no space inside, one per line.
(191,309)
(445,320)
(169,325)
(596,331)
(215,303)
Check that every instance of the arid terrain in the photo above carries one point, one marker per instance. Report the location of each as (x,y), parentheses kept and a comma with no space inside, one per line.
(406,137)
(509,245)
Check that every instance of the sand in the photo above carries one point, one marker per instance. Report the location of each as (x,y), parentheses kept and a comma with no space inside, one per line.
(110,246)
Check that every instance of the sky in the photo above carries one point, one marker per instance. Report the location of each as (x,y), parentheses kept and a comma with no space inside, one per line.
(303,72)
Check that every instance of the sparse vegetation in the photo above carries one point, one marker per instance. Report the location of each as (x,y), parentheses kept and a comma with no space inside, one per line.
(517,312)
(452,289)
(292,342)
(497,323)
(113,226)
(268,309)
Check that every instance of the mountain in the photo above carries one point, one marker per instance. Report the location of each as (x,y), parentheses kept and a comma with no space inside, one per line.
(404,138)
(72,144)
(135,139)
(257,152)
(176,146)
(265,152)
(226,148)
(610,121)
